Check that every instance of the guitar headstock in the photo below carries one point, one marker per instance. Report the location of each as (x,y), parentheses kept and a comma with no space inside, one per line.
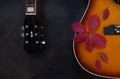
(33,32)
(34,38)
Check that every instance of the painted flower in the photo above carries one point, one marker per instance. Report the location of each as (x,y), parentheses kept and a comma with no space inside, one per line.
(91,38)
(106,13)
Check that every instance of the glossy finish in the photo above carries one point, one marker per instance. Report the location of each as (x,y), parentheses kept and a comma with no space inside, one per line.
(33,35)
(33,32)
(87,59)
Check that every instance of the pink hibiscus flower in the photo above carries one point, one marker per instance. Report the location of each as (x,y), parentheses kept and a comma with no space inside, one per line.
(91,38)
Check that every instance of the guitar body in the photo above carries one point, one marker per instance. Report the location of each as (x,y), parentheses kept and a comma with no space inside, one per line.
(86,59)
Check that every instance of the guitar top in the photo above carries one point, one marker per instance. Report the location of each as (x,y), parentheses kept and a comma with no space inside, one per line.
(97,39)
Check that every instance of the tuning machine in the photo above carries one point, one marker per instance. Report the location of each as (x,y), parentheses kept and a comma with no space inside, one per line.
(22,29)
(43,42)
(23,34)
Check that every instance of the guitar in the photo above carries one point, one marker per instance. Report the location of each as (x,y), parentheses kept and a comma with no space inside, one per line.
(33,32)
(96,41)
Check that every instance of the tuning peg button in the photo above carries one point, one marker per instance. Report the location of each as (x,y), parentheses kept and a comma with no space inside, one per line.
(26,42)
(22,35)
(26,26)
(42,35)
(37,42)
(36,34)
(36,26)
(42,27)
(43,42)
(26,34)
(22,28)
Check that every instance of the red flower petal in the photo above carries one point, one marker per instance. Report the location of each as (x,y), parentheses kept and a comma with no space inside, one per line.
(104,57)
(78,27)
(106,13)
(79,37)
(99,40)
(98,64)
(93,22)
(89,43)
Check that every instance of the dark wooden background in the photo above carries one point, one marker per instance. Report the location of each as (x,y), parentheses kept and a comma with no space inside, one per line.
(57,61)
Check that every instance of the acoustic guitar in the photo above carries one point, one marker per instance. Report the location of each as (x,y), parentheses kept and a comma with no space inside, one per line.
(33,32)
(97,39)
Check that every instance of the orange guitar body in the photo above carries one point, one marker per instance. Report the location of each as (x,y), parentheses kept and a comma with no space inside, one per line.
(87,59)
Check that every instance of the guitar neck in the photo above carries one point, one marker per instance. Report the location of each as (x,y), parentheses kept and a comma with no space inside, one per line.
(30,6)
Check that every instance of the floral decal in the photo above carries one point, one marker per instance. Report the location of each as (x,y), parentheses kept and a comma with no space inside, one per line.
(98,64)
(104,57)
(106,13)
(91,38)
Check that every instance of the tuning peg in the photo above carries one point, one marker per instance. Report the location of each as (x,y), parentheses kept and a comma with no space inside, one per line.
(31,34)
(43,42)
(42,35)
(22,35)
(26,42)
(22,28)
(26,26)
(37,42)
(36,26)
(42,27)
(36,34)
(26,34)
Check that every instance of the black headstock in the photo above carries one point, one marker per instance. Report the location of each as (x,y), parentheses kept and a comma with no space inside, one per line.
(33,33)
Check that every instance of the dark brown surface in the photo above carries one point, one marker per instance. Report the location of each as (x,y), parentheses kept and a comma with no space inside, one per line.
(57,61)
